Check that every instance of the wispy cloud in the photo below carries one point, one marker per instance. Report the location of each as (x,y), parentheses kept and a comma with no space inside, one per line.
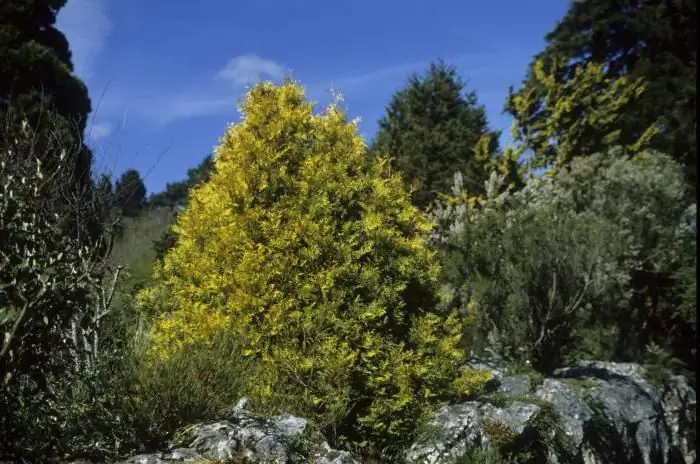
(202,98)
(366,80)
(208,97)
(87,26)
(100,130)
(185,106)
(355,81)
(249,69)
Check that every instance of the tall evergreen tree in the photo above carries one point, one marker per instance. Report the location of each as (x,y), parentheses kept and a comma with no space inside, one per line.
(38,87)
(318,265)
(38,82)
(130,193)
(430,129)
(655,40)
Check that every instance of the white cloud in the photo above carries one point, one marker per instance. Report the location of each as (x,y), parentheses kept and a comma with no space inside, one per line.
(206,99)
(185,106)
(87,26)
(200,99)
(100,130)
(397,74)
(359,80)
(248,69)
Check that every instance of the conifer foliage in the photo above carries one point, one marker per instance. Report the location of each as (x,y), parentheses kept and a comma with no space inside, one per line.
(318,262)
(431,129)
(654,41)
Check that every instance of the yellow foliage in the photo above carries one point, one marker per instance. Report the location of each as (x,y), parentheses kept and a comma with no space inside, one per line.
(318,262)
(577,117)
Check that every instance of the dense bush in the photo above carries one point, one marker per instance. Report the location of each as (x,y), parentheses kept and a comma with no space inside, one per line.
(584,264)
(200,383)
(318,265)
(646,197)
(51,291)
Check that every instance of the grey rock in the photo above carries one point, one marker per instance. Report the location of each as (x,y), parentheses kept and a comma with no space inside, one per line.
(680,407)
(183,455)
(637,422)
(245,436)
(219,440)
(515,385)
(454,427)
(290,426)
(608,413)
(574,410)
(156,458)
(602,370)
(458,426)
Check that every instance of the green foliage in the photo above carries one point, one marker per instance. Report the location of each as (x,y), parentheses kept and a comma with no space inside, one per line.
(38,86)
(175,196)
(579,265)
(176,193)
(543,436)
(97,415)
(647,198)
(130,193)
(651,40)
(48,311)
(317,263)
(200,383)
(134,253)
(528,272)
(431,129)
(660,364)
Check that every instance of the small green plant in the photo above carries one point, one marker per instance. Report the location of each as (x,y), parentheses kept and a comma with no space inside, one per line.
(545,434)
(536,379)
(300,449)
(542,434)
(430,433)
(197,384)
(498,432)
(659,365)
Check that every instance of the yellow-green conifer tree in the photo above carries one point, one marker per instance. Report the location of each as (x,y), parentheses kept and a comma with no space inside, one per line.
(319,264)
(562,120)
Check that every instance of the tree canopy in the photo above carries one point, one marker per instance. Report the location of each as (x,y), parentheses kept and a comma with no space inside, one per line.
(39,85)
(650,41)
(431,128)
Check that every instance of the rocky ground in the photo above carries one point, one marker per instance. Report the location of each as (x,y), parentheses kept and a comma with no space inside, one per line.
(591,413)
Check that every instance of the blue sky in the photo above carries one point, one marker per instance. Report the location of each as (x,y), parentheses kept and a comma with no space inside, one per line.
(165,77)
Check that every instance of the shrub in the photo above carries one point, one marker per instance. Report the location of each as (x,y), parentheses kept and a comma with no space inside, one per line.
(580,265)
(646,197)
(200,383)
(51,291)
(318,264)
